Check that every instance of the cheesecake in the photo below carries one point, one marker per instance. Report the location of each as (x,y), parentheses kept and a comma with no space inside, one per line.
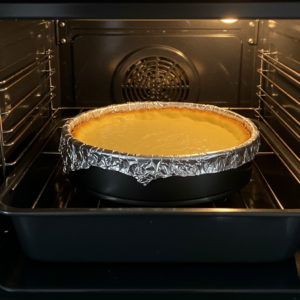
(163,132)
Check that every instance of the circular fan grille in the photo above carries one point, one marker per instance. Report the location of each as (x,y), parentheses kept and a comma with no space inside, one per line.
(155,78)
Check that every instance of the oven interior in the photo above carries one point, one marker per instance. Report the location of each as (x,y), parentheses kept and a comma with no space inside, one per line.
(53,70)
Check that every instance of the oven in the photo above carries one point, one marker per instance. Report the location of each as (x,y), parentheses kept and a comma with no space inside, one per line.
(58,60)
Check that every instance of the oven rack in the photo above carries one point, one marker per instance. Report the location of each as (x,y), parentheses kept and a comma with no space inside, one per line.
(78,199)
(21,127)
(54,129)
(270,65)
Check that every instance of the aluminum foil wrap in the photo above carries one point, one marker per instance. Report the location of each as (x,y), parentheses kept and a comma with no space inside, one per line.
(77,155)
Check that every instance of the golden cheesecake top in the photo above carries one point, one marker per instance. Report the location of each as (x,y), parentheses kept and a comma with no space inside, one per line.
(162,132)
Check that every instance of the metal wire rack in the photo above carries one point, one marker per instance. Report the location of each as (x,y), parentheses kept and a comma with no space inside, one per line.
(270,65)
(22,127)
(267,59)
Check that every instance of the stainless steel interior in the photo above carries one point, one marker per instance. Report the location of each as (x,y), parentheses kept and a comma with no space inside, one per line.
(275,105)
(37,95)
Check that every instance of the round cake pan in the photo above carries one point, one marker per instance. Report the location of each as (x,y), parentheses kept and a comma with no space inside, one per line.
(171,191)
(157,180)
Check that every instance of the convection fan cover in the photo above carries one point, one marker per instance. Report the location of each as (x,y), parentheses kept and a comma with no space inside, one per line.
(156,74)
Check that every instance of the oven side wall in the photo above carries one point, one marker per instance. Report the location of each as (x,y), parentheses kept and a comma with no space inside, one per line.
(278,60)
(24,92)
(29,79)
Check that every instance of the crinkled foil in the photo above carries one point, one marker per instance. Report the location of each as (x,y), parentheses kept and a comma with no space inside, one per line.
(77,155)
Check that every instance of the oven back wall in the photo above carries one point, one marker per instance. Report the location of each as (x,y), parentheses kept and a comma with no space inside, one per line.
(205,61)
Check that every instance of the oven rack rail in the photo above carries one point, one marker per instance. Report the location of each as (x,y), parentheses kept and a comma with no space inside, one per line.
(18,177)
(268,101)
(44,104)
